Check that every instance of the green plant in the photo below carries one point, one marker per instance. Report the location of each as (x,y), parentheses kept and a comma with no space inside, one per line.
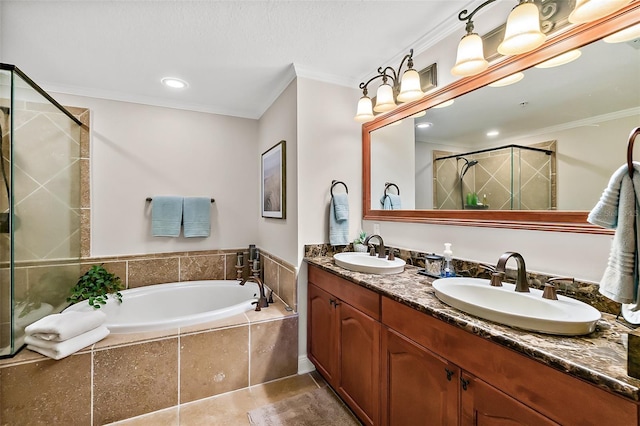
(96,285)
(362,236)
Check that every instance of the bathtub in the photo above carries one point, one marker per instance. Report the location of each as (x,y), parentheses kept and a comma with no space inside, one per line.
(172,305)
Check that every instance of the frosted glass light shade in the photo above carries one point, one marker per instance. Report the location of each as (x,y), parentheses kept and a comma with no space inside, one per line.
(622,36)
(523,30)
(470,59)
(384,99)
(590,10)
(510,79)
(410,87)
(364,112)
(562,59)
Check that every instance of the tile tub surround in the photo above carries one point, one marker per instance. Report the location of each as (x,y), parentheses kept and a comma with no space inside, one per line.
(129,375)
(584,291)
(599,358)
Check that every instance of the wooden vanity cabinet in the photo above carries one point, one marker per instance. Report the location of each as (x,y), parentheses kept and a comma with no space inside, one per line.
(343,340)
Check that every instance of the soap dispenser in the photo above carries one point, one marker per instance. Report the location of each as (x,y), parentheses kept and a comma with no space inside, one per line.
(448,270)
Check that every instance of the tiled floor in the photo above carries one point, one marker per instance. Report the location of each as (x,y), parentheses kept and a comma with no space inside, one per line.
(229,409)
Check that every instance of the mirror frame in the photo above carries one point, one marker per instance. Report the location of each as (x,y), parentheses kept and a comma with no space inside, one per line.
(559,221)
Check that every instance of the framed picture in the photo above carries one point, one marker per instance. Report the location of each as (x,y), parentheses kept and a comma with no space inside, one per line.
(274,181)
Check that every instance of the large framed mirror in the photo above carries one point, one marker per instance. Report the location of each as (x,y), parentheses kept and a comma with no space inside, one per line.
(562,132)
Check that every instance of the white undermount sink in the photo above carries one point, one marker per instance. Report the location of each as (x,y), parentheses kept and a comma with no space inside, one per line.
(529,311)
(362,262)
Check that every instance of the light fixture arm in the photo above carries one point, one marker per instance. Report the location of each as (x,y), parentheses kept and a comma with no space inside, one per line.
(393,75)
(465,16)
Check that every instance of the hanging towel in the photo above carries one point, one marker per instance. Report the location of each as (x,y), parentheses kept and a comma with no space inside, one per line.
(197,217)
(65,325)
(391,202)
(166,216)
(59,350)
(339,220)
(618,209)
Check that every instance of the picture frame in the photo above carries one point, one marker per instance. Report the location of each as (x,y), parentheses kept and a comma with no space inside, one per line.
(273,182)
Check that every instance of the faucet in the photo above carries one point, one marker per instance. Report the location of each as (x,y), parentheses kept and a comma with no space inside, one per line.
(262,301)
(522,284)
(381,249)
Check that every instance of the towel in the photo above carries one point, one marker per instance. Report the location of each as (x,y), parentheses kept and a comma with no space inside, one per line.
(391,202)
(166,216)
(59,350)
(197,217)
(339,220)
(66,325)
(618,209)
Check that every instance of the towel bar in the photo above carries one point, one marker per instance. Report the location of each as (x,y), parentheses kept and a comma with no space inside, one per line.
(337,182)
(632,138)
(149,199)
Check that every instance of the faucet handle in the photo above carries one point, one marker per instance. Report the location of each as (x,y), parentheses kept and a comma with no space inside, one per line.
(496,279)
(550,288)
(372,251)
(487,267)
(392,253)
(270,300)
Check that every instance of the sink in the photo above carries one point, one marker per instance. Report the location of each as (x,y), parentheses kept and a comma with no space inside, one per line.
(529,311)
(362,262)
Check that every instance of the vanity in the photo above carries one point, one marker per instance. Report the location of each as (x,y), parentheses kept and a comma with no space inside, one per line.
(399,356)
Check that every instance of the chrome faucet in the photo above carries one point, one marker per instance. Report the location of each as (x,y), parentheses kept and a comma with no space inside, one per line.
(522,283)
(262,301)
(381,249)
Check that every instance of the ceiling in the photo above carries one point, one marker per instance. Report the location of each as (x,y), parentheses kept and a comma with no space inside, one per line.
(237,56)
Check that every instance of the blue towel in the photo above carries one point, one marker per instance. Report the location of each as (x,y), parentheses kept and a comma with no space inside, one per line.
(339,220)
(618,209)
(391,202)
(197,217)
(166,215)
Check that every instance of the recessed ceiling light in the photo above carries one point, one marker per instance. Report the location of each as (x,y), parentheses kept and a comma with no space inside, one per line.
(445,104)
(492,133)
(174,83)
(565,58)
(424,125)
(510,79)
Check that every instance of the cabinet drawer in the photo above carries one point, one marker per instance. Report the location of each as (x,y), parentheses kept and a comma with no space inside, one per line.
(565,399)
(360,298)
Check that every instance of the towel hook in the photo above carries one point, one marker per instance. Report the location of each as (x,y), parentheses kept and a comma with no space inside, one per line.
(635,132)
(337,182)
(387,185)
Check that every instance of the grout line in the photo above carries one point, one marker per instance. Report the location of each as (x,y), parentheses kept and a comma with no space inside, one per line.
(91,382)
(179,378)
(249,355)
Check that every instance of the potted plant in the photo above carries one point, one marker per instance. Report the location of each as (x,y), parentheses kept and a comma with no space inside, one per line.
(96,285)
(358,243)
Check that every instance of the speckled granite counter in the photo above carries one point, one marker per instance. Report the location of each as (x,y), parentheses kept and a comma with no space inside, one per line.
(599,358)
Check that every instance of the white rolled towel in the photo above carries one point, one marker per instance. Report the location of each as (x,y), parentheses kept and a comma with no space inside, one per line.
(65,325)
(59,350)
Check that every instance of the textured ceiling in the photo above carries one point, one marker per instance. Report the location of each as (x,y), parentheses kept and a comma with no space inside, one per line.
(236,55)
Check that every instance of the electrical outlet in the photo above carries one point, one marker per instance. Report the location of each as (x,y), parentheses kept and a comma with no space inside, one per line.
(376,228)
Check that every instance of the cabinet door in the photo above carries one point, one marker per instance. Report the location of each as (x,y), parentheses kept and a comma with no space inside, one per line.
(484,405)
(359,363)
(322,341)
(418,387)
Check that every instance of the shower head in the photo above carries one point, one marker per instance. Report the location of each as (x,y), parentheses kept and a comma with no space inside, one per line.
(466,166)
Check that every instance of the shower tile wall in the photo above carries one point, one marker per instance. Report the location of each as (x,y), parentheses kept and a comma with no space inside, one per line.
(532,178)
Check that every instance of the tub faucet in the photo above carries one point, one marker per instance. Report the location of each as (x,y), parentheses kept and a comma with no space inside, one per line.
(381,249)
(262,301)
(522,283)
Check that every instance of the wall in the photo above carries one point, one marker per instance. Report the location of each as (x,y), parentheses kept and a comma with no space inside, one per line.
(138,151)
(278,123)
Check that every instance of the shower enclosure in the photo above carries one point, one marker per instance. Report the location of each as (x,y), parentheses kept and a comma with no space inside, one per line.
(39,205)
(511,177)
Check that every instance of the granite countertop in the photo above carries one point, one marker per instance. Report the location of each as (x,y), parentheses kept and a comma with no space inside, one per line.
(599,358)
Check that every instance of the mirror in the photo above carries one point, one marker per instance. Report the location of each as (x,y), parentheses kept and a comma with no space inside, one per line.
(564,131)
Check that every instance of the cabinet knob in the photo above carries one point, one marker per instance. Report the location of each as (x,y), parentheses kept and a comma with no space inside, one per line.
(332,302)
(449,374)
(465,383)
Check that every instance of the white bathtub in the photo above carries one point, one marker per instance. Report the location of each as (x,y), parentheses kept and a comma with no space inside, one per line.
(172,305)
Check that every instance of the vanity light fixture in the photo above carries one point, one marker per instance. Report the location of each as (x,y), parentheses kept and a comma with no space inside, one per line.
(590,10)
(562,59)
(445,104)
(408,88)
(523,32)
(622,36)
(174,83)
(510,79)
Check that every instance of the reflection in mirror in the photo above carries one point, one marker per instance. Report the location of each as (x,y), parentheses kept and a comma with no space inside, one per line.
(581,111)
